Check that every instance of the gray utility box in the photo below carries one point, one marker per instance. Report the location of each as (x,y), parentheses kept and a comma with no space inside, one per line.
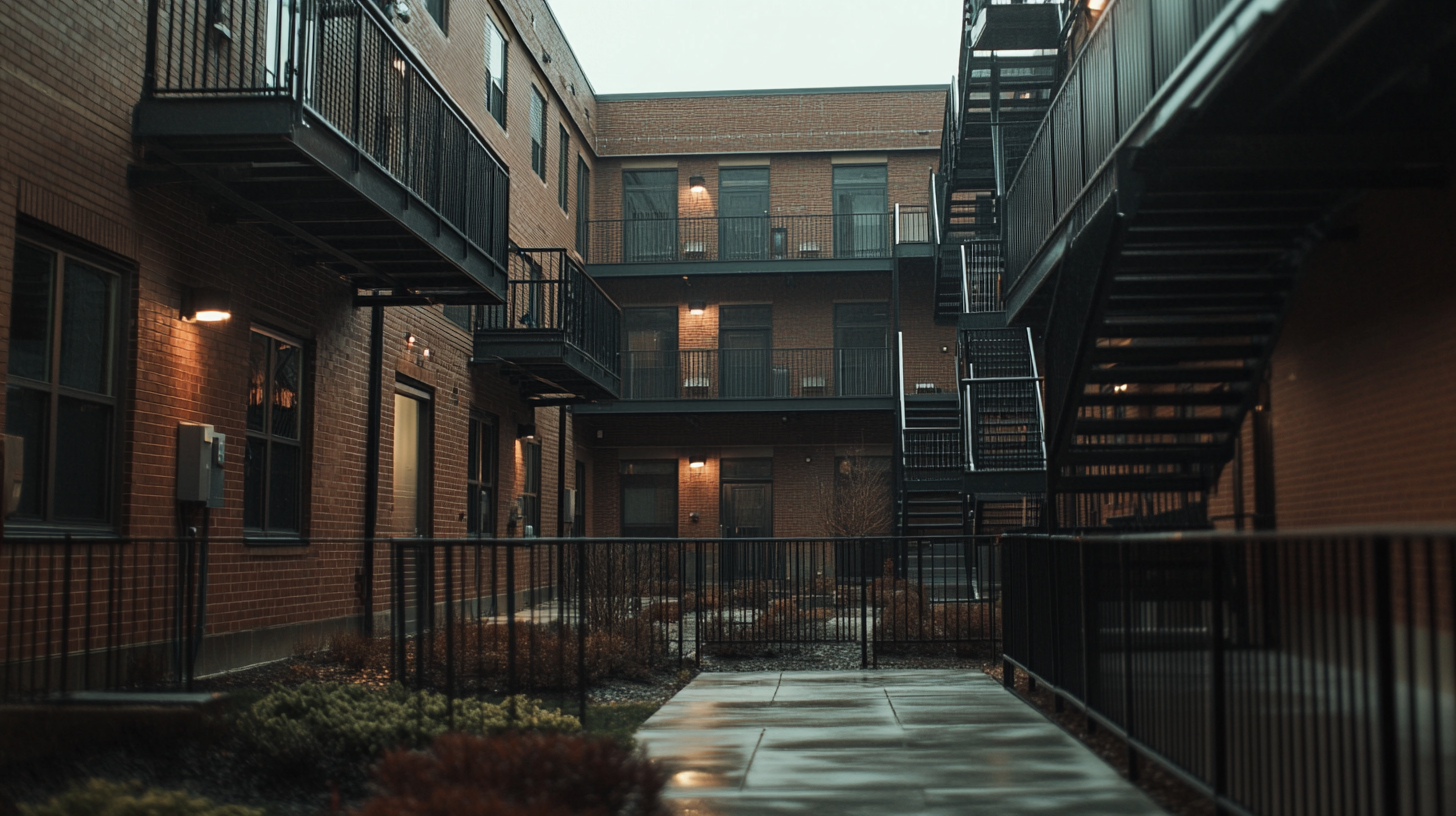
(201,452)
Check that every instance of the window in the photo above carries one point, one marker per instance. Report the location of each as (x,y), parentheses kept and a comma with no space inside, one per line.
(480,476)
(649,499)
(649,212)
(436,8)
(531,495)
(273,460)
(745,345)
(563,167)
(583,207)
(495,72)
(538,133)
(861,212)
(862,349)
(652,359)
(61,393)
(411,461)
(743,227)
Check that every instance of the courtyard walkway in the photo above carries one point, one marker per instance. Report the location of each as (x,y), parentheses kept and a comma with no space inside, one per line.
(883,742)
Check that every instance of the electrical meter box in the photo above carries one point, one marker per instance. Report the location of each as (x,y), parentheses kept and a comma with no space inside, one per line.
(568,503)
(201,452)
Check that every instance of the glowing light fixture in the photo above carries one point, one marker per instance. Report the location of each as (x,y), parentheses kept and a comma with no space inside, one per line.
(526,431)
(697,459)
(697,307)
(202,304)
(696,184)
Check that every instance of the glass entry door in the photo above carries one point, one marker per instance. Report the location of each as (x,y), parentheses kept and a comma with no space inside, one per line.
(651,335)
(746,512)
(745,341)
(743,214)
(862,349)
(861,212)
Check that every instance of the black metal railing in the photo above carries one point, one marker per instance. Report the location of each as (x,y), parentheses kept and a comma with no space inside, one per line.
(981,267)
(556,614)
(549,291)
(1277,673)
(912,224)
(752,238)
(931,449)
(1068,171)
(87,614)
(346,65)
(697,374)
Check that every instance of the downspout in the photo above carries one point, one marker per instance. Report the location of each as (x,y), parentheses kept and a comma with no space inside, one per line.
(372,430)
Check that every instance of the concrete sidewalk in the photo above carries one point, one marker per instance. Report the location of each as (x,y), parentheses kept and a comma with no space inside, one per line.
(884,742)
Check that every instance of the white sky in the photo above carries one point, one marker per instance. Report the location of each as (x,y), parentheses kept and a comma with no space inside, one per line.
(642,46)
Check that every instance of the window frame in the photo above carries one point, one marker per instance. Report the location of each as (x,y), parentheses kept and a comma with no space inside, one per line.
(64,251)
(482,474)
(269,438)
(538,132)
(583,207)
(442,21)
(496,91)
(563,169)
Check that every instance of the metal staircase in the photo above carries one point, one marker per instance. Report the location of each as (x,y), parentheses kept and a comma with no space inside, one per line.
(1004,428)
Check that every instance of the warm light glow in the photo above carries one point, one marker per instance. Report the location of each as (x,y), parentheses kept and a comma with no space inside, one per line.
(696,464)
(1096,5)
(409,340)
(697,184)
(211,316)
(1117,388)
(695,311)
(399,65)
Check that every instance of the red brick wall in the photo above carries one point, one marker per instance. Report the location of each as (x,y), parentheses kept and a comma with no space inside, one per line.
(1362,376)
(777,122)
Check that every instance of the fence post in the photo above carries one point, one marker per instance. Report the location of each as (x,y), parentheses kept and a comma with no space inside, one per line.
(1217,704)
(510,619)
(864,633)
(1387,733)
(1089,609)
(1127,717)
(450,634)
(581,622)
(1014,556)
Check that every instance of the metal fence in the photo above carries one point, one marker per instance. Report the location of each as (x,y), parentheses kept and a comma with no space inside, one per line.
(1068,170)
(694,374)
(99,614)
(342,61)
(749,238)
(549,291)
(555,614)
(1277,674)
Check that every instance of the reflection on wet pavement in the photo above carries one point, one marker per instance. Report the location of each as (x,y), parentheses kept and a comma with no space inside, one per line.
(885,742)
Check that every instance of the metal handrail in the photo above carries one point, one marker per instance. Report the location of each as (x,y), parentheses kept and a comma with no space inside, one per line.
(741,238)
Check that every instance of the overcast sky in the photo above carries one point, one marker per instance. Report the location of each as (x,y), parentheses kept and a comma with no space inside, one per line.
(641,46)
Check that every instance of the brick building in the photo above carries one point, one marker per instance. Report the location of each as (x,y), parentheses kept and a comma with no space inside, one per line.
(463,287)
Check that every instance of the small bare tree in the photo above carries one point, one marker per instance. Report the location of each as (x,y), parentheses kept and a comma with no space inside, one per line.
(855,500)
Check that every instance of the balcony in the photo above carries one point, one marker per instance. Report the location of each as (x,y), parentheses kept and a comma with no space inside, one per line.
(313,120)
(776,243)
(735,380)
(557,335)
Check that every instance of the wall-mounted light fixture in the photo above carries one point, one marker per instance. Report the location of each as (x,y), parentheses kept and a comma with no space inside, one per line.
(526,430)
(409,340)
(697,307)
(696,184)
(425,354)
(697,459)
(203,304)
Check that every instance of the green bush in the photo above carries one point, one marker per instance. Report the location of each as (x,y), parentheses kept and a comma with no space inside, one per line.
(340,729)
(100,797)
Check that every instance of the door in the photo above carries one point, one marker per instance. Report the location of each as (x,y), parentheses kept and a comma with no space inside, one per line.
(743,214)
(747,512)
(649,498)
(649,215)
(862,349)
(745,342)
(861,212)
(652,364)
(411,461)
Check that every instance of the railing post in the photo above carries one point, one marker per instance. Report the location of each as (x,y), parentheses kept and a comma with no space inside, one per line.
(864,635)
(581,623)
(510,619)
(1089,610)
(1014,553)
(1218,690)
(1127,695)
(1387,736)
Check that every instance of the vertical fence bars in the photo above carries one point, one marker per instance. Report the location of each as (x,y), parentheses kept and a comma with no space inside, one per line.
(1276,674)
(552,615)
(107,614)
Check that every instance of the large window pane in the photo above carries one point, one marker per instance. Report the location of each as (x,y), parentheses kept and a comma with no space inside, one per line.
(861,212)
(26,416)
(83,457)
(649,208)
(287,389)
(258,382)
(284,467)
(410,466)
(86,329)
(30,312)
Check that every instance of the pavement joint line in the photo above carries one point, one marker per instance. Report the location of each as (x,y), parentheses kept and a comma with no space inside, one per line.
(892,709)
(777,686)
(744,781)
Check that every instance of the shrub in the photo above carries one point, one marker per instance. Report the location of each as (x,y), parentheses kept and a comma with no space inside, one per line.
(663,612)
(358,651)
(518,775)
(100,797)
(332,728)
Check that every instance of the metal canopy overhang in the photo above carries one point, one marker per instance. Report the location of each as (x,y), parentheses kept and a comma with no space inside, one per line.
(1017,28)
(278,166)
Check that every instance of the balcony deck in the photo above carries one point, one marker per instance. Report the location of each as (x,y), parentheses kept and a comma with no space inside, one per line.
(321,128)
(557,334)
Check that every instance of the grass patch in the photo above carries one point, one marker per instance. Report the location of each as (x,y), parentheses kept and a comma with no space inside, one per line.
(618,720)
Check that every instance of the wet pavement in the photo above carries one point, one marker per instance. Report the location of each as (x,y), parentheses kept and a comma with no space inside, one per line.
(929,741)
